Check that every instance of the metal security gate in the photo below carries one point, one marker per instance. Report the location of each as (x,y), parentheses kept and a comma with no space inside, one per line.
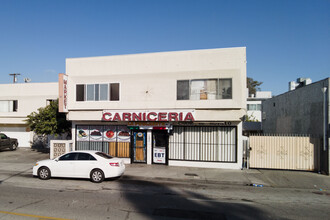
(213,144)
(284,152)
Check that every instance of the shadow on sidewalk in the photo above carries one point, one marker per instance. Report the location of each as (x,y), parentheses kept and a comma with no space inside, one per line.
(160,201)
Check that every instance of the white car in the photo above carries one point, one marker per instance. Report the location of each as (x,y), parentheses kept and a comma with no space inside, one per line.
(93,165)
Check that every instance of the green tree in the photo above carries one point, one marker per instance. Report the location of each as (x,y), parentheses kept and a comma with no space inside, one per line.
(250,118)
(48,121)
(252,85)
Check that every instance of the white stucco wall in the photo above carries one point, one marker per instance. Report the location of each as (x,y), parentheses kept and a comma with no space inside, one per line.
(254,114)
(149,81)
(30,97)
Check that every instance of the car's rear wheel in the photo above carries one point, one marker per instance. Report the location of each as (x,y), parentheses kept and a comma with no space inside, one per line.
(97,176)
(44,173)
(13,147)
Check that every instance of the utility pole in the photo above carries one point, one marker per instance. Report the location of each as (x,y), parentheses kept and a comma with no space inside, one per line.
(14,75)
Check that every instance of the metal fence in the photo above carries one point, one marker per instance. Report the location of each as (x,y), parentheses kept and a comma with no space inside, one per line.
(216,144)
(284,152)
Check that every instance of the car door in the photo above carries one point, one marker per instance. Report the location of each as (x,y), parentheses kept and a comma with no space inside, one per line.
(65,166)
(4,141)
(84,164)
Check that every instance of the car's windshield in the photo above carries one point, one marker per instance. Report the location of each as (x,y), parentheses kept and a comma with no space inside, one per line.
(104,155)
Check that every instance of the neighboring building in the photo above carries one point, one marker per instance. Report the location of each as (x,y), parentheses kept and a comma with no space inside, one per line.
(179,108)
(19,100)
(300,111)
(252,123)
(254,104)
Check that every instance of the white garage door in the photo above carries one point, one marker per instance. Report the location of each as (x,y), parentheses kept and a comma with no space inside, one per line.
(20,133)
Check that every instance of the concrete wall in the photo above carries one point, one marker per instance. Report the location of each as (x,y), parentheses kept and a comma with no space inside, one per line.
(296,112)
(301,112)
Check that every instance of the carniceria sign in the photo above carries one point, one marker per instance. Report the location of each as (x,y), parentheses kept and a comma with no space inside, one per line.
(150,115)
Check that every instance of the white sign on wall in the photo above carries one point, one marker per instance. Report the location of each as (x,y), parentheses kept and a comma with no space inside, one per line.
(63,93)
(159,155)
(149,115)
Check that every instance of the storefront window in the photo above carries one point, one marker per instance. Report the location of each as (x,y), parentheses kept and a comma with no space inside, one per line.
(113,140)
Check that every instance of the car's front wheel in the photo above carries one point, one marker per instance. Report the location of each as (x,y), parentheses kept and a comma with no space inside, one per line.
(97,176)
(44,173)
(13,147)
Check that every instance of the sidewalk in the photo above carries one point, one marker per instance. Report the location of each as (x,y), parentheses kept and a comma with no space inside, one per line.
(266,178)
(22,160)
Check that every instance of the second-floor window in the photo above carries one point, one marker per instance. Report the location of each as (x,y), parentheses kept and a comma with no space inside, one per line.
(204,89)
(97,92)
(8,105)
(254,107)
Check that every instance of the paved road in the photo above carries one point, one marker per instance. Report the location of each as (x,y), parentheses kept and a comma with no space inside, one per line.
(136,199)
(25,197)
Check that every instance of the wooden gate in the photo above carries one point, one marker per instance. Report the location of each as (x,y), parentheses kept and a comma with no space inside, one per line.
(285,152)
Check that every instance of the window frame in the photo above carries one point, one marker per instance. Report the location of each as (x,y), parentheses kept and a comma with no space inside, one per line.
(117,97)
(75,156)
(97,92)
(83,86)
(218,88)
(12,104)
(90,157)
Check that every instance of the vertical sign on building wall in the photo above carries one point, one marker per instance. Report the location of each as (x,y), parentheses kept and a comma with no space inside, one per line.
(63,92)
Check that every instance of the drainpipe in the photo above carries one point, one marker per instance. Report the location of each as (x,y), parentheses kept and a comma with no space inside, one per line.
(324,90)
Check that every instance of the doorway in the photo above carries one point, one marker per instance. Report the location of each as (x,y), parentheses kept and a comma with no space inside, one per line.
(139,154)
(160,147)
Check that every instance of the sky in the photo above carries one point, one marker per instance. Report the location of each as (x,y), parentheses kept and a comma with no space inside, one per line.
(284,39)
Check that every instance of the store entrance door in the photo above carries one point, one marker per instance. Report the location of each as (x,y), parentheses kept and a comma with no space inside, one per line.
(160,147)
(139,147)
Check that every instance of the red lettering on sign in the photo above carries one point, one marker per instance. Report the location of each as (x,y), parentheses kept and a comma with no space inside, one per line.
(162,116)
(189,117)
(173,116)
(137,117)
(107,116)
(150,114)
(117,117)
(126,116)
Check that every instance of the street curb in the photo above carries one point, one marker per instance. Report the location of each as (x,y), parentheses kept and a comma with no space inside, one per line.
(182,181)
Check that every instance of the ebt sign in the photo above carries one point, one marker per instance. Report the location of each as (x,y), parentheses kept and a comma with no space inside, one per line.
(150,115)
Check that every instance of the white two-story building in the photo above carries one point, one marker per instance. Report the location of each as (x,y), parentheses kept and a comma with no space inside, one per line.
(180,108)
(19,100)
